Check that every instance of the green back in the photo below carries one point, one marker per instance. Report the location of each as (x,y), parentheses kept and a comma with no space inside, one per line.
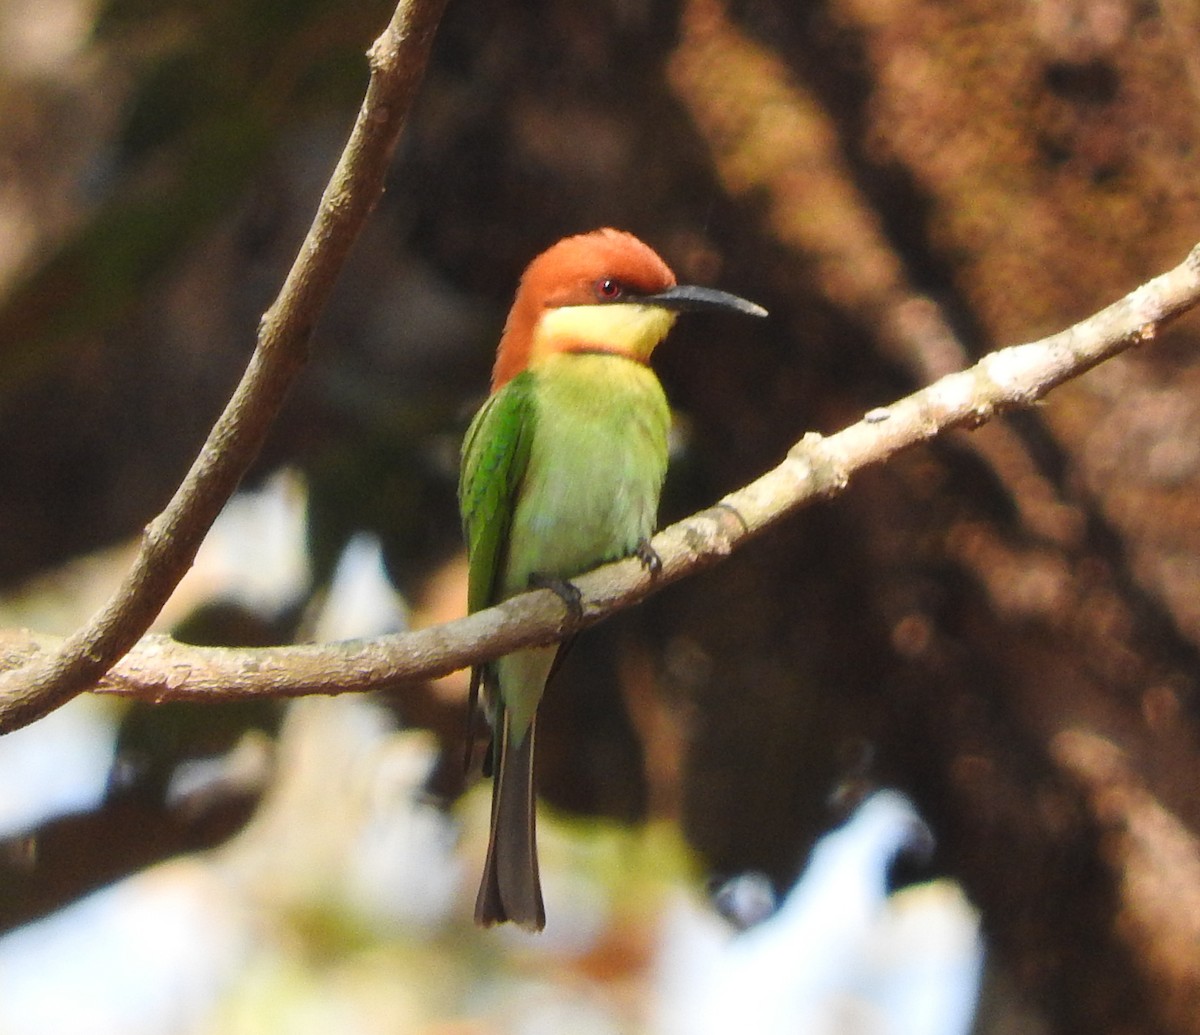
(495,455)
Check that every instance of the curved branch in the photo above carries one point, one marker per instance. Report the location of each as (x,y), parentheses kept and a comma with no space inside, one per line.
(160,669)
(169,543)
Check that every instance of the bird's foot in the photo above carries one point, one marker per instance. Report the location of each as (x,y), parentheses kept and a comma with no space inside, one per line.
(566,591)
(649,557)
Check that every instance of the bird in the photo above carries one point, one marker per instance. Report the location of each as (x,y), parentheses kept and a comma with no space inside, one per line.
(561,470)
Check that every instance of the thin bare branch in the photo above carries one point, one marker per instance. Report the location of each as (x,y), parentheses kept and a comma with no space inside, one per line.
(160,669)
(170,542)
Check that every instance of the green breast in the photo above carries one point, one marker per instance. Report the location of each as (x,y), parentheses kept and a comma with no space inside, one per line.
(596,466)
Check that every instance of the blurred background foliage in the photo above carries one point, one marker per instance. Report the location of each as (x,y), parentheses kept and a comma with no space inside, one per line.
(1004,624)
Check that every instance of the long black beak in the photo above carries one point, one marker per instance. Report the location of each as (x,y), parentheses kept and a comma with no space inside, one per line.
(687,298)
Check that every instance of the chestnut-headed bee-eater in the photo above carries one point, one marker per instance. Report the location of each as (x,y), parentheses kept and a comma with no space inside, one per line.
(561,471)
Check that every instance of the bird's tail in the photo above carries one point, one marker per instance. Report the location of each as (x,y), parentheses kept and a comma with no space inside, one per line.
(511,889)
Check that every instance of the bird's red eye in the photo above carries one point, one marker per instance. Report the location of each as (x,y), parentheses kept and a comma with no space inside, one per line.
(609,290)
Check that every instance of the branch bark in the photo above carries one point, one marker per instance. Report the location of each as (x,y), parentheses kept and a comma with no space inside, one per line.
(50,678)
(161,669)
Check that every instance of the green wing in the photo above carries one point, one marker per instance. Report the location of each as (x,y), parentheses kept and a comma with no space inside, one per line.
(494,457)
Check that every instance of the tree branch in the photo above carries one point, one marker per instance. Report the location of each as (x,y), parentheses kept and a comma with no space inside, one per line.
(169,544)
(160,669)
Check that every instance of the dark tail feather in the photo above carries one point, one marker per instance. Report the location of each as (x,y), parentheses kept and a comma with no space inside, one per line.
(511,889)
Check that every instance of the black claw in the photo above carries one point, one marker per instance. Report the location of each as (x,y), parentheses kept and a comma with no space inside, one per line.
(646,553)
(566,591)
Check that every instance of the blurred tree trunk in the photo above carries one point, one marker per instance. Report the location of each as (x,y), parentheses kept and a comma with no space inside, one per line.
(1011,617)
